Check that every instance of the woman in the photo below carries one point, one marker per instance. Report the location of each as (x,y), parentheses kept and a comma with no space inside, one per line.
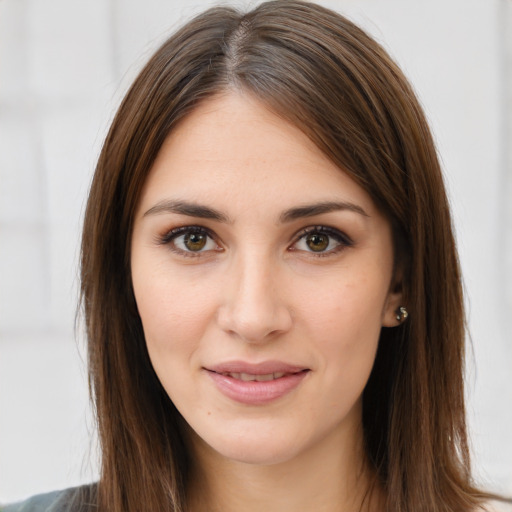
(270,283)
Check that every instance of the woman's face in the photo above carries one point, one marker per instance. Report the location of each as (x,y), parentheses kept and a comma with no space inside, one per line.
(263,276)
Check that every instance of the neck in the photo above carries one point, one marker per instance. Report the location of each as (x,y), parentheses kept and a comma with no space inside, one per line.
(322,479)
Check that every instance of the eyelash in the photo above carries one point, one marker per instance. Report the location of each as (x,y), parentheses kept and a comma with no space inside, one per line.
(339,237)
(170,237)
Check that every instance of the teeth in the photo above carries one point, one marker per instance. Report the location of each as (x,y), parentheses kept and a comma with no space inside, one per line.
(263,378)
(247,377)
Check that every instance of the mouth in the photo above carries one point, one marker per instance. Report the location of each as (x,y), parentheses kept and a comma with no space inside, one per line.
(247,377)
(256,384)
(237,369)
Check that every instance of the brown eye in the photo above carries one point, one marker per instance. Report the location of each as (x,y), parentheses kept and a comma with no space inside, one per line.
(317,242)
(190,240)
(195,241)
(321,241)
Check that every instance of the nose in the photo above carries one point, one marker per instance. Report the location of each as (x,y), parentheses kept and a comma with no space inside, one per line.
(253,307)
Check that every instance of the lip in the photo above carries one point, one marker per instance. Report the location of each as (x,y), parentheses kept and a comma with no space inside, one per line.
(255,392)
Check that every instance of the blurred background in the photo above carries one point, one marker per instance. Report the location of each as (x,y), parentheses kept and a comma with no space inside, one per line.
(64,66)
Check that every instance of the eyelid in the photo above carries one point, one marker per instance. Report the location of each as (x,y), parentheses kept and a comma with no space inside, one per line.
(342,238)
(170,235)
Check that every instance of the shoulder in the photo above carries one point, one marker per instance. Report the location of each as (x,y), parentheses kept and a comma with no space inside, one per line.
(497,506)
(75,499)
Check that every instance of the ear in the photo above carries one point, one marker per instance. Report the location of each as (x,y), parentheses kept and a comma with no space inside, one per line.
(392,304)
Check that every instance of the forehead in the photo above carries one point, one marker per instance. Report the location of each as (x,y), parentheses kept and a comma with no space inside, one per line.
(234,151)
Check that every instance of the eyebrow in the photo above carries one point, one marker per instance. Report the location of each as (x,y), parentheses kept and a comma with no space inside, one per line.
(319,208)
(186,208)
(206,212)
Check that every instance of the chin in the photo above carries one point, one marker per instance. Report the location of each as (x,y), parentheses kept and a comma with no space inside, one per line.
(257,454)
(263,449)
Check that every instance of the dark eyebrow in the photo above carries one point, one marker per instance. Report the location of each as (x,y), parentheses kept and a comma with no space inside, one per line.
(185,208)
(205,212)
(319,208)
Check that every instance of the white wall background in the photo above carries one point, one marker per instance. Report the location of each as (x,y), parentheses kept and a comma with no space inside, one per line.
(63,67)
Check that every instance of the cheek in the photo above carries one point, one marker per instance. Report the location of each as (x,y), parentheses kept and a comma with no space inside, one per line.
(345,321)
(173,310)
(351,304)
(173,329)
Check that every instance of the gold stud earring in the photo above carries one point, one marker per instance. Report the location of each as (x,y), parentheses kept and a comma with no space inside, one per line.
(401,314)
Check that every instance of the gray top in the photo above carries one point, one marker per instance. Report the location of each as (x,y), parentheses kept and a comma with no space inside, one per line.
(82,499)
(75,499)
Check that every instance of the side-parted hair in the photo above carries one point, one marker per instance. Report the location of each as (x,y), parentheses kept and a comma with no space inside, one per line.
(323,74)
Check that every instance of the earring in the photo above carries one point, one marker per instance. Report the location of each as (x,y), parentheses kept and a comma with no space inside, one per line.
(401,314)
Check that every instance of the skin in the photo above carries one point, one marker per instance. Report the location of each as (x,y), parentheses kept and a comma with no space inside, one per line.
(256,292)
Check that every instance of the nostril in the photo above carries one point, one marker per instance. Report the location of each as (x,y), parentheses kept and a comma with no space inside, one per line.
(254,326)
(253,309)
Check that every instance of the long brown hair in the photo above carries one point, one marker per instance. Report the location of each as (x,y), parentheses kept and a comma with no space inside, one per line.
(325,75)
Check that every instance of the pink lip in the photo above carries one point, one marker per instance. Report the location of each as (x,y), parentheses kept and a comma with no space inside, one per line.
(256,392)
